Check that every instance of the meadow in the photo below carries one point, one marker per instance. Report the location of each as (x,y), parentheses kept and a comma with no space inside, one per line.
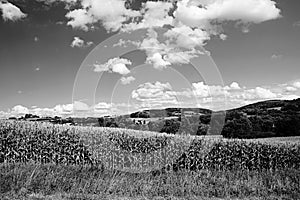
(45,161)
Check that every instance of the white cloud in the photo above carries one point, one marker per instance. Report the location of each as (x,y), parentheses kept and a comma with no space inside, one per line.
(80,43)
(201,13)
(223,36)
(163,54)
(186,37)
(103,105)
(154,94)
(291,89)
(64,109)
(4,115)
(36,39)
(127,80)
(296,84)
(11,12)
(218,97)
(190,23)
(260,93)
(111,13)
(67,2)
(202,90)
(80,19)
(157,60)
(276,56)
(80,106)
(77,109)
(154,14)
(114,65)
(235,86)
(19,109)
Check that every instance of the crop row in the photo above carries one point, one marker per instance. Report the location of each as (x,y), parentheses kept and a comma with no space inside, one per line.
(120,148)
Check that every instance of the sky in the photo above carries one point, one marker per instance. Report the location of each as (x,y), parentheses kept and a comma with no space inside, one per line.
(102,57)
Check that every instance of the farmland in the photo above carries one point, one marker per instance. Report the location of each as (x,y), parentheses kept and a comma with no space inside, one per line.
(45,159)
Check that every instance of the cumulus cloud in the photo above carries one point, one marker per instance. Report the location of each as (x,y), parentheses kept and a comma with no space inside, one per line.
(291,89)
(114,65)
(19,109)
(202,13)
(296,84)
(80,43)
(11,12)
(154,14)
(80,19)
(235,86)
(224,97)
(4,115)
(223,36)
(111,13)
(154,94)
(68,2)
(163,54)
(259,93)
(189,23)
(127,80)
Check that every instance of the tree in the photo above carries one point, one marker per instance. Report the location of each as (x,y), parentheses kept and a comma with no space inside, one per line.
(238,127)
(171,127)
(202,129)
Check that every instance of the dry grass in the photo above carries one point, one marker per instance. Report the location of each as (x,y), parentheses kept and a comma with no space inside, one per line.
(57,165)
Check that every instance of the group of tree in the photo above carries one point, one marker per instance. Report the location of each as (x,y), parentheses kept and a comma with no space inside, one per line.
(260,120)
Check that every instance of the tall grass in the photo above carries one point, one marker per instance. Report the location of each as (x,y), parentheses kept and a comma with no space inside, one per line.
(44,159)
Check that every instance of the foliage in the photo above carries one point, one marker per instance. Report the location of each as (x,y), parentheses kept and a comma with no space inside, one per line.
(46,143)
(171,126)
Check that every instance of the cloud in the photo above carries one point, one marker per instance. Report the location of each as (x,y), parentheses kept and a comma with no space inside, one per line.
(259,93)
(235,86)
(202,13)
(154,14)
(291,89)
(36,39)
(19,109)
(186,37)
(296,84)
(11,12)
(201,90)
(76,109)
(190,24)
(80,43)
(223,36)
(127,80)
(4,115)
(154,94)
(111,13)
(296,24)
(49,2)
(276,56)
(219,97)
(163,54)
(80,19)
(162,95)
(114,65)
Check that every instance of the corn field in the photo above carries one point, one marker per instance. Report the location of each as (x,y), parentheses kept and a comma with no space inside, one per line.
(137,151)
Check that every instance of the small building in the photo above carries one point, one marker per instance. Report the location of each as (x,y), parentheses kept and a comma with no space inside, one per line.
(189,113)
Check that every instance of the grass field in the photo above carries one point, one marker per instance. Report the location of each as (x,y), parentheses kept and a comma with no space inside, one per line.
(44,161)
